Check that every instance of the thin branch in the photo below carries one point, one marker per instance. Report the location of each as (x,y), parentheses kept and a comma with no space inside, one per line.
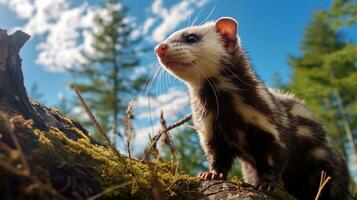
(323,181)
(179,122)
(37,184)
(95,122)
(109,190)
(13,170)
(159,134)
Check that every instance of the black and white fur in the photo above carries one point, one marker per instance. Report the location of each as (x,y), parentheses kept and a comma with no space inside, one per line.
(276,138)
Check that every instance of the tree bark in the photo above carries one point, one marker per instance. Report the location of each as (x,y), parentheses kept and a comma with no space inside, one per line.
(13,95)
(63,162)
(230,190)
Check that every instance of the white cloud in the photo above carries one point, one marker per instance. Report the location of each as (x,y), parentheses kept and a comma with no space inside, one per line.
(39,15)
(142,134)
(170,17)
(60,49)
(174,103)
(65,29)
(148,24)
(79,113)
(23,8)
(171,103)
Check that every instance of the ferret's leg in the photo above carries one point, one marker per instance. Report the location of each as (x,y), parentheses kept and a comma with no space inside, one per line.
(220,160)
(269,170)
(249,171)
(261,174)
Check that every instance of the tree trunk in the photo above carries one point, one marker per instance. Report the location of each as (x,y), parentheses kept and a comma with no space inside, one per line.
(344,116)
(44,155)
(345,122)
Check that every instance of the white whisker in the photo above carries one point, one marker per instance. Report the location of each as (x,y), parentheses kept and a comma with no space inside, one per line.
(152,80)
(149,78)
(158,83)
(189,20)
(199,13)
(209,15)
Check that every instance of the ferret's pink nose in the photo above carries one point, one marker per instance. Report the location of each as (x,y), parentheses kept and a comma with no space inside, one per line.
(161,49)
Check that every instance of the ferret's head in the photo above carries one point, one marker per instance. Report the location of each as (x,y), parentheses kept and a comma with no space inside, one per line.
(194,53)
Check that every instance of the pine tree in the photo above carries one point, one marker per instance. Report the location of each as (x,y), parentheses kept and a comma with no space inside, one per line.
(325,74)
(106,80)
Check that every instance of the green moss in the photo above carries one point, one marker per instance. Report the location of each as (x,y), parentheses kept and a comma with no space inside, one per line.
(69,167)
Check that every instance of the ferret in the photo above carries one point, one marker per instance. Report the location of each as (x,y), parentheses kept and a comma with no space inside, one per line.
(277,140)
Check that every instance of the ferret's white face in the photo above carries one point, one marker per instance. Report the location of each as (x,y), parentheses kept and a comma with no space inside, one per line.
(194,53)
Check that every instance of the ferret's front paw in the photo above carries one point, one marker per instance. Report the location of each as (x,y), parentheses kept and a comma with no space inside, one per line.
(210,176)
(265,186)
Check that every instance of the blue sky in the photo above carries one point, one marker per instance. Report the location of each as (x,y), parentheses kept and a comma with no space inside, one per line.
(270,31)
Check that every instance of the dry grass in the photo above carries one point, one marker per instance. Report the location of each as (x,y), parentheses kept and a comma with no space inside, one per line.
(95,122)
(152,147)
(128,126)
(166,138)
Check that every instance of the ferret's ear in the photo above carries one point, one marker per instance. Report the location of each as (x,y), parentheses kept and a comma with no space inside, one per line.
(227,28)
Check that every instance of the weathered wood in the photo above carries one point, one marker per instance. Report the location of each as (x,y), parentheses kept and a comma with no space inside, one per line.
(229,190)
(13,94)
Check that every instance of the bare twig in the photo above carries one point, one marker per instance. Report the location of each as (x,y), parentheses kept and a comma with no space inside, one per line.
(154,150)
(159,134)
(13,170)
(166,138)
(109,190)
(323,181)
(179,122)
(37,184)
(95,122)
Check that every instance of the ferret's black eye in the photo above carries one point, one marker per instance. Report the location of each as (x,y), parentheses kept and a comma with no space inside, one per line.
(191,38)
